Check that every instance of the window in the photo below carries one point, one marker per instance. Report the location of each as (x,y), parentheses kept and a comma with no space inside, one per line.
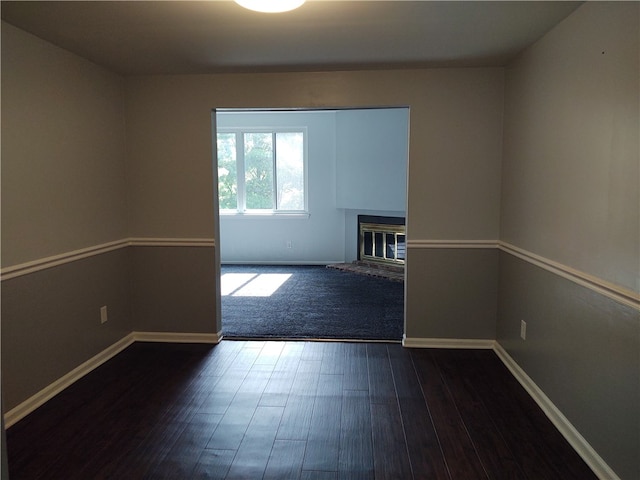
(261,171)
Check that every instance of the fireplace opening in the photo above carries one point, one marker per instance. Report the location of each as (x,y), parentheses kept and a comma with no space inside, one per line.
(381,248)
(381,240)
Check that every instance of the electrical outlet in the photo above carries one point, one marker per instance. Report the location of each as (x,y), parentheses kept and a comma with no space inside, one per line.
(523,329)
(103,314)
(289,244)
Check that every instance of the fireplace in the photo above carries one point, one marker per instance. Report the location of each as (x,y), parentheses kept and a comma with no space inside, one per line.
(381,240)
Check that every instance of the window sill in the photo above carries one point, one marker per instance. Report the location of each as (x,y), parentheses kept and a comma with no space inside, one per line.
(265,216)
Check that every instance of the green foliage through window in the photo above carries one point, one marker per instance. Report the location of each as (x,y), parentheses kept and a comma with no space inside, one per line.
(227,171)
(258,171)
(261,171)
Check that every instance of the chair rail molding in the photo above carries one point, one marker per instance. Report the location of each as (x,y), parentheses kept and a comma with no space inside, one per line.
(14,271)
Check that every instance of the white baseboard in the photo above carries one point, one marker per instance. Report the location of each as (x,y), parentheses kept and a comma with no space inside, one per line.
(176,337)
(568,431)
(29,405)
(447,343)
(284,263)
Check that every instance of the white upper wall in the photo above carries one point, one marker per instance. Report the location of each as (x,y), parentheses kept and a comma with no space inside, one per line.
(315,238)
(63,151)
(570,174)
(371,155)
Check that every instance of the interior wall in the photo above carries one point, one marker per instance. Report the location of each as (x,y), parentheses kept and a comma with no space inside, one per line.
(454,165)
(63,162)
(372,156)
(455,141)
(75,195)
(457,294)
(172,288)
(51,321)
(63,189)
(259,239)
(371,159)
(570,176)
(570,194)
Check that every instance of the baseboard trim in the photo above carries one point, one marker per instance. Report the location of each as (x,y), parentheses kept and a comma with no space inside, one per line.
(280,262)
(22,410)
(176,337)
(29,405)
(469,343)
(568,431)
(311,339)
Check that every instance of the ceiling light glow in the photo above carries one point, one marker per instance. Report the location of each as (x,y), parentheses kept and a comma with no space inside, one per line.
(270,6)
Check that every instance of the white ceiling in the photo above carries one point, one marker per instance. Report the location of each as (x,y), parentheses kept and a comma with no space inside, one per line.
(142,37)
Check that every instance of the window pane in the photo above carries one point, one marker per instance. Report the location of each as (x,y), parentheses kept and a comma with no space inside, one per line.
(290,170)
(227,174)
(258,170)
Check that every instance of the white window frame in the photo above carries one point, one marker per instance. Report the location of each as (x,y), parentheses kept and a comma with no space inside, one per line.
(241,211)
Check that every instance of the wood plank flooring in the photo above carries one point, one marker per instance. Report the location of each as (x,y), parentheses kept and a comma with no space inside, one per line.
(292,410)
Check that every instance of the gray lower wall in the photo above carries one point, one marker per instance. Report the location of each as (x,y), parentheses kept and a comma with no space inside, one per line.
(51,321)
(582,349)
(451,293)
(174,289)
(51,318)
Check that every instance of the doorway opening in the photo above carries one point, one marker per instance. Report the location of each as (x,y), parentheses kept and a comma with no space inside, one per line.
(292,185)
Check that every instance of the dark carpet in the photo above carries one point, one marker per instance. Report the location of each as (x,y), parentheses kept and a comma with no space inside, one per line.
(314,302)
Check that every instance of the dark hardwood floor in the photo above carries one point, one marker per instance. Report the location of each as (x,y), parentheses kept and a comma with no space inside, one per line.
(292,410)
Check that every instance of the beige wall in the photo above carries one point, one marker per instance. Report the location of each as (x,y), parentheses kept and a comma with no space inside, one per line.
(454,166)
(570,186)
(63,189)
(455,144)
(63,162)
(570,178)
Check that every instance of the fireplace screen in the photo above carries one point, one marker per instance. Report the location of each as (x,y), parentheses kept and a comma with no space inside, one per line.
(382,243)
